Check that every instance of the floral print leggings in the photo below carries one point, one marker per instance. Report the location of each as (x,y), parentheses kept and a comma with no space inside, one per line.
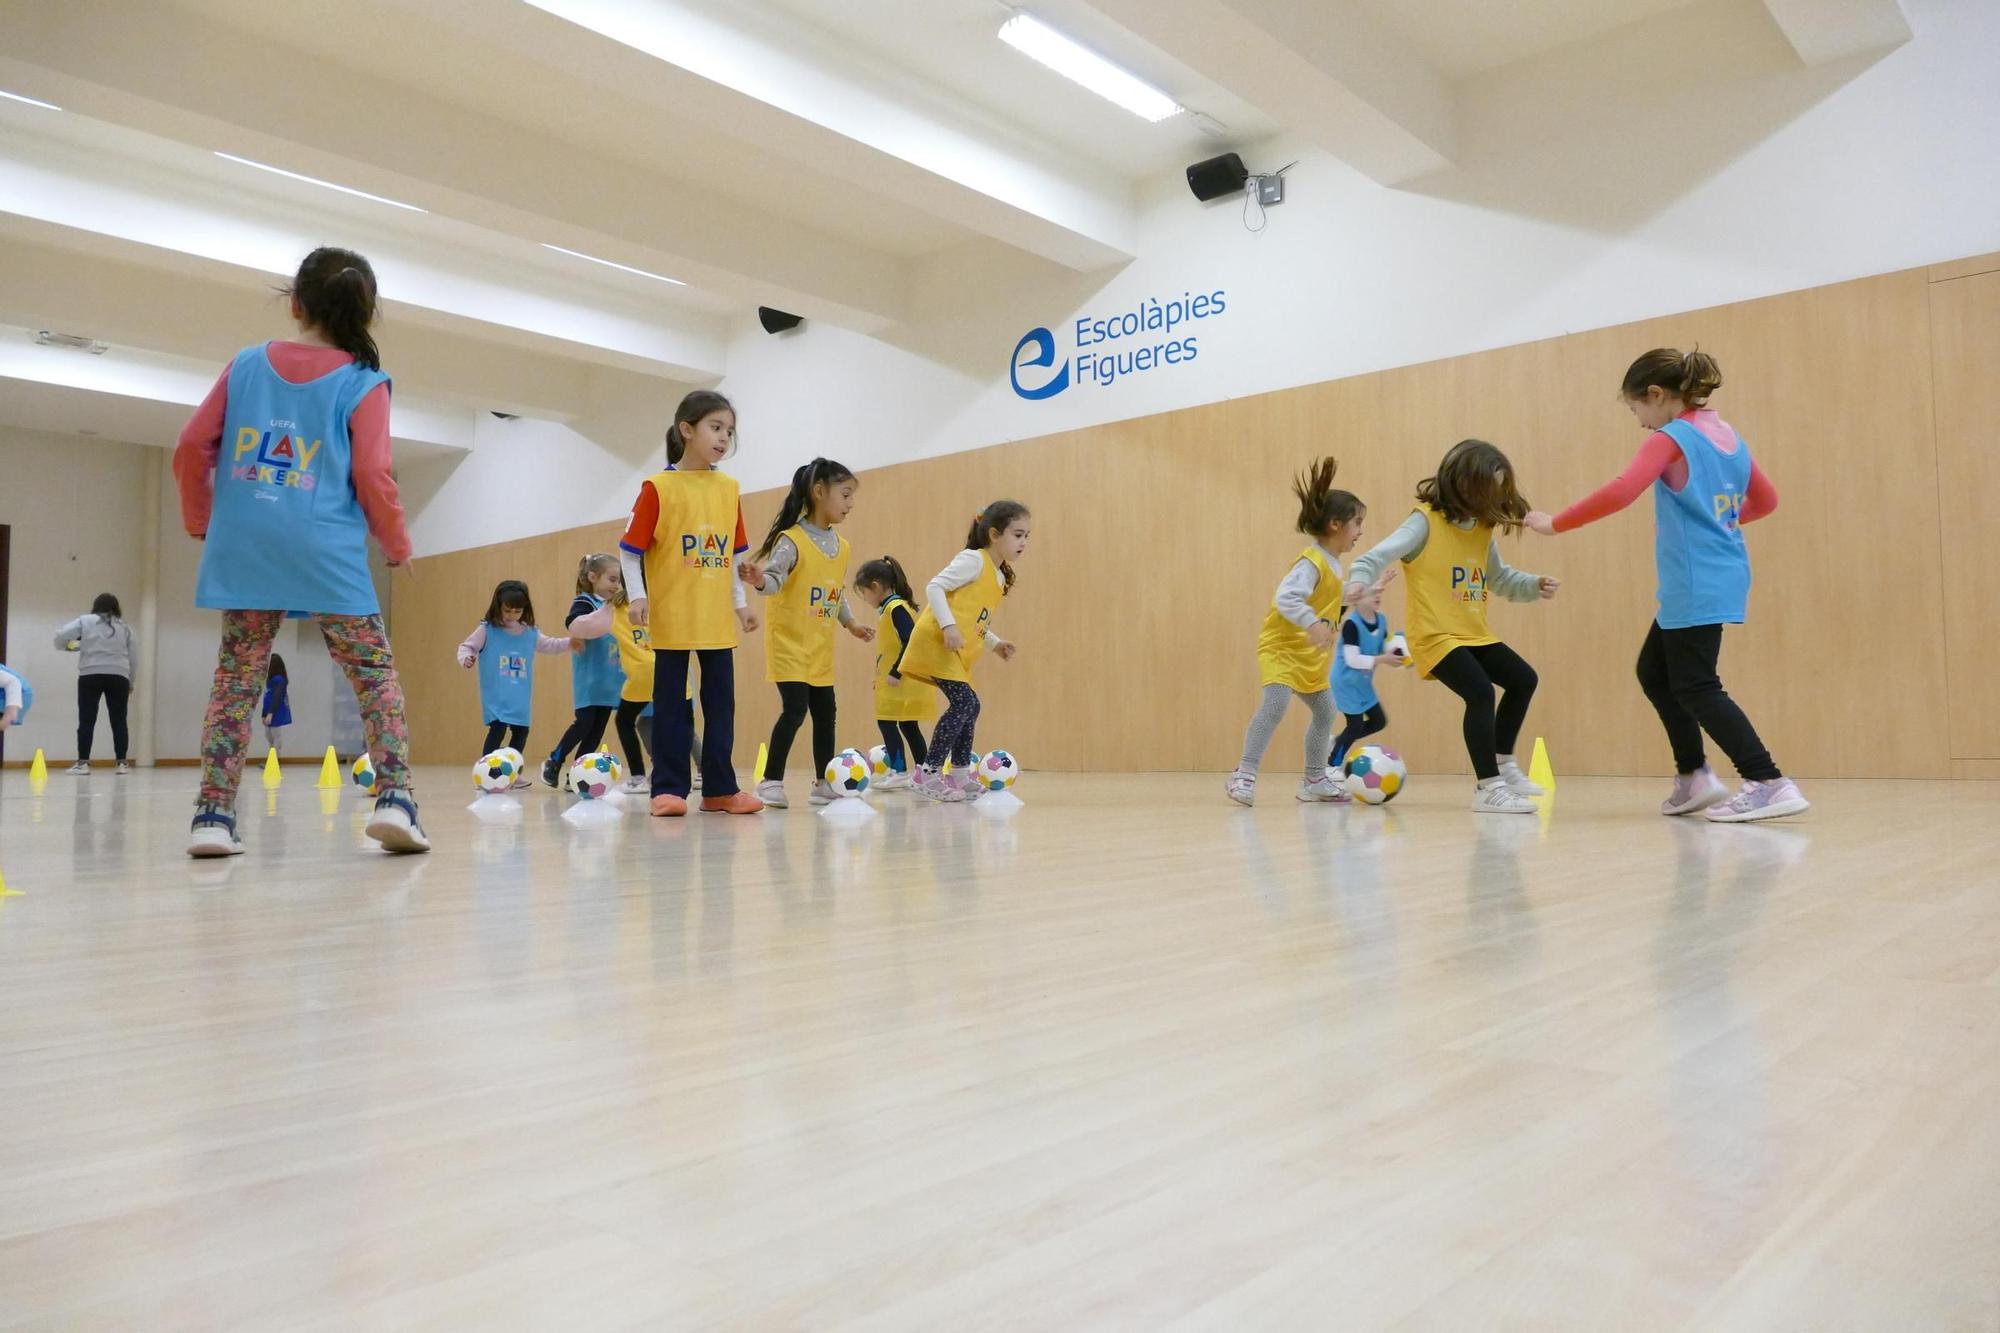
(359,644)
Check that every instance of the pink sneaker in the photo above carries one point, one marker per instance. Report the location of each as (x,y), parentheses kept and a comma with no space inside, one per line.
(929,785)
(1694,792)
(967,785)
(1760,800)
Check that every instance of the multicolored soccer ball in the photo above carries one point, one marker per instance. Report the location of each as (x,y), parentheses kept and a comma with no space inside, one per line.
(847,773)
(363,773)
(593,776)
(496,772)
(1373,775)
(878,763)
(997,771)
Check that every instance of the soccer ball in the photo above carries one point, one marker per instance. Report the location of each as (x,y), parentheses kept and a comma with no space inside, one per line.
(515,757)
(847,773)
(594,775)
(878,763)
(364,774)
(997,771)
(496,772)
(1398,646)
(949,766)
(1374,775)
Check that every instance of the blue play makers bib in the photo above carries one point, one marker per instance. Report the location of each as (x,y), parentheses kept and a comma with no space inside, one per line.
(286,532)
(507,674)
(1704,567)
(596,678)
(27,694)
(1354,691)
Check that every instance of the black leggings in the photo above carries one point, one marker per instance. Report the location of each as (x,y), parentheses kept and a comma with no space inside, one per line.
(496,732)
(116,691)
(1359,726)
(1472,674)
(1677,672)
(894,735)
(951,739)
(628,735)
(799,698)
(585,734)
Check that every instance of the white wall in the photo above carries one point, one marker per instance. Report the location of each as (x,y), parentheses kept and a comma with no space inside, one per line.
(1686,162)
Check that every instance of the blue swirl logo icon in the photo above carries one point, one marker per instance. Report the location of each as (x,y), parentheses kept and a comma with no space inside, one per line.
(1044,354)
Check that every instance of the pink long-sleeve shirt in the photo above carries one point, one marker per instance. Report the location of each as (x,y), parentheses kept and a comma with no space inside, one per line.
(1660,459)
(368,438)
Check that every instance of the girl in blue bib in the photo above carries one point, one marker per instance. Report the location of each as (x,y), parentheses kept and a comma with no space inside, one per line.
(284,474)
(596,678)
(16,698)
(1365,643)
(503,647)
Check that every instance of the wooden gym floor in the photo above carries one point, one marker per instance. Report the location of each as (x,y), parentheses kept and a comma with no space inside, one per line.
(1129,1058)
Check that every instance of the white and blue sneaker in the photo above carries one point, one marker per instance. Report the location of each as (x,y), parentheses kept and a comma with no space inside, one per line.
(213,834)
(394,824)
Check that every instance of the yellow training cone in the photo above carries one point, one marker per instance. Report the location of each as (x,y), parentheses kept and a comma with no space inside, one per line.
(38,771)
(273,775)
(763,753)
(6,892)
(329,771)
(1539,771)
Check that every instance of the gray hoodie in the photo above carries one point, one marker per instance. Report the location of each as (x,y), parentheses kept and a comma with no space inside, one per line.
(104,645)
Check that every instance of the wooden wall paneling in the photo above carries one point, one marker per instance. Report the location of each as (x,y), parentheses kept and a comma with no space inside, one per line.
(1965,322)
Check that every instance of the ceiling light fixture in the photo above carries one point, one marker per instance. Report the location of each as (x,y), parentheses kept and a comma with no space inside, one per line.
(1079,64)
(314,180)
(622,268)
(31,101)
(75,342)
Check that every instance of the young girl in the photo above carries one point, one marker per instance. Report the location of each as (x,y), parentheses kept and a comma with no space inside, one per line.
(635,699)
(805,570)
(105,666)
(1364,645)
(277,702)
(1454,566)
(597,680)
(503,648)
(1295,646)
(1705,487)
(680,550)
(286,521)
(940,651)
(16,698)
(901,706)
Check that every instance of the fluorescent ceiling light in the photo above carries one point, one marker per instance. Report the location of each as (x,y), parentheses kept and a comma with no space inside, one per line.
(16,97)
(314,180)
(622,268)
(1038,41)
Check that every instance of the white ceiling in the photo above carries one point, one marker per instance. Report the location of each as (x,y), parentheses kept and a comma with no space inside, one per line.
(808,154)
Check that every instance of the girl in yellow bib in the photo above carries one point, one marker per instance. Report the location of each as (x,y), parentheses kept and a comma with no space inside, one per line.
(1295,646)
(1453,562)
(902,706)
(680,555)
(805,576)
(955,627)
(635,699)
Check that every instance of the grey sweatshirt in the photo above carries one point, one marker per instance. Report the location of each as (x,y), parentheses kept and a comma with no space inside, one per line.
(104,646)
(785,558)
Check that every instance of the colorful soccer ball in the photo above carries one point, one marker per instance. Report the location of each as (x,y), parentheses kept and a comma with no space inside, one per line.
(364,774)
(519,760)
(496,772)
(847,773)
(878,763)
(1374,775)
(594,775)
(997,771)
(1398,646)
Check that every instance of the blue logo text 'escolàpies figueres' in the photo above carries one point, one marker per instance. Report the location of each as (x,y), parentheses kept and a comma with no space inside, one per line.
(1107,350)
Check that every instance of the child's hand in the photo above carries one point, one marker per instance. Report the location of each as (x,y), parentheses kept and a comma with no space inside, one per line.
(267,719)
(1549,587)
(865,633)
(407,568)
(466,660)
(747,618)
(1537,521)
(635,611)
(895,679)
(6,718)
(576,645)
(750,573)
(954,639)
(1005,651)
(1320,635)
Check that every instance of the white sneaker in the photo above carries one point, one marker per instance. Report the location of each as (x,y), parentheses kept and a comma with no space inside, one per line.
(695,777)
(1760,800)
(1695,792)
(636,785)
(894,782)
(394,824)
(822,793)
(523,781)
(213,834)
(1241,787)
(124,768)
(772,794)
(81,768)
(1495,797)
(1517,781)
(1324,788)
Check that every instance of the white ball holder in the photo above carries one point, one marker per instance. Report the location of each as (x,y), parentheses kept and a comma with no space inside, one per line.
(998,803)
(602,812)
(496,807)
(848,809)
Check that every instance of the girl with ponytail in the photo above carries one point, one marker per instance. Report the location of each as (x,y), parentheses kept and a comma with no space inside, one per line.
(901,706)
(804,564)
(1705,488)
(1295,645)
(284,474)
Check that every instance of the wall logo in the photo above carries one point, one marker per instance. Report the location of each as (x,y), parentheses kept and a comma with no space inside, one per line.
(1111,348)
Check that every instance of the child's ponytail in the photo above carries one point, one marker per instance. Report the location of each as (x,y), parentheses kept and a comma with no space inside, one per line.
(588,568)
(335,292)
(1322,507)
(885,571)
(995,518)
(693,408)
(798,500)
(1689,376)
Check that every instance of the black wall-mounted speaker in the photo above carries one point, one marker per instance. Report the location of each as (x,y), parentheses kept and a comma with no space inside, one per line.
(777,321)
(1217,176)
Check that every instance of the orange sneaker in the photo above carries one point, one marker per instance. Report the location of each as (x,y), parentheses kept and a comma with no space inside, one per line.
(669,807)
(742,803)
